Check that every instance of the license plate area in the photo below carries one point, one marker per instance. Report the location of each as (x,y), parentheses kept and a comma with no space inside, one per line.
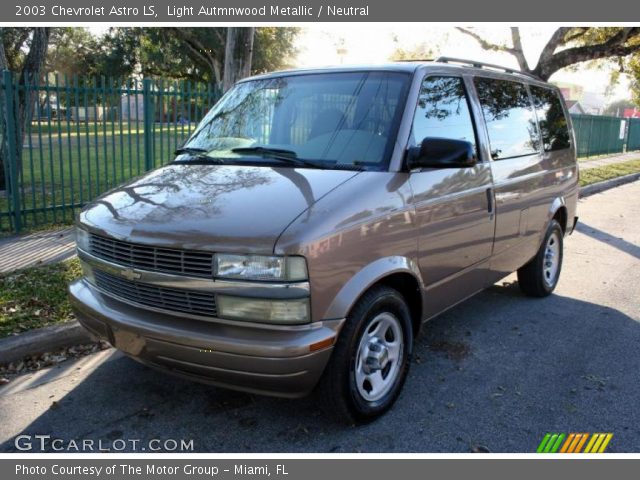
(128,342)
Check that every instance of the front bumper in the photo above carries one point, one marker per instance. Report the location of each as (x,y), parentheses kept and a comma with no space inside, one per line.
(260,359)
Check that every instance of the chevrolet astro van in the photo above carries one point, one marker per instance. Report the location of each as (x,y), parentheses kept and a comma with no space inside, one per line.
(316,219)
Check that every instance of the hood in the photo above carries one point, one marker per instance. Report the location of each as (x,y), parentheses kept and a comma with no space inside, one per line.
(210,207)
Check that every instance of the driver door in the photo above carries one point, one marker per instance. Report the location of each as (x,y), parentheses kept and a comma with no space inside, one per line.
(454,206)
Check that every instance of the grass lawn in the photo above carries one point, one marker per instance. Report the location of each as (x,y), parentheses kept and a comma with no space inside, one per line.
(63,172)
(36,297)
(599,174)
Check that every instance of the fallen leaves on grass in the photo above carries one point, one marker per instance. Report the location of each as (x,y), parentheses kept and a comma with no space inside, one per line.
(36,297)
(49,359)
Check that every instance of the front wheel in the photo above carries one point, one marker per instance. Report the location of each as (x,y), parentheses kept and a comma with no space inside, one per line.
(539,277)
(371,358)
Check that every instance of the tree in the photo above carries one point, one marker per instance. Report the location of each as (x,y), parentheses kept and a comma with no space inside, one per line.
(35,43)
(194,53)
(238,54)
(569,46)
(273,48)
(633,68)
(72,51)
(617,108)
(421,51)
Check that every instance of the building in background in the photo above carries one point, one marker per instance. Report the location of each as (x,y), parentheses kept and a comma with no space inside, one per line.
(588,102)
(631,113)
(574,107)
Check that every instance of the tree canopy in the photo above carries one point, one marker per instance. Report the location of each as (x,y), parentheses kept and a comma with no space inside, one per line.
(569,46)
(193,53)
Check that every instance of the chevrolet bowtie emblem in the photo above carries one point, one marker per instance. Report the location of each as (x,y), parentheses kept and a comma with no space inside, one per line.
(130,274)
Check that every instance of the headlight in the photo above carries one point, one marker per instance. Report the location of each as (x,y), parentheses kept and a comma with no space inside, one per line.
(260,267)
(263,310)
(82,239)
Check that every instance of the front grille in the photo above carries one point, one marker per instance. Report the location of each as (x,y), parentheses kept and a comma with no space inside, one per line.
(144,257)
(177,300)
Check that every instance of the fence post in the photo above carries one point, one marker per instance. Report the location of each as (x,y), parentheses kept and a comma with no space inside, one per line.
(590,137)
(12,150)
(148,123)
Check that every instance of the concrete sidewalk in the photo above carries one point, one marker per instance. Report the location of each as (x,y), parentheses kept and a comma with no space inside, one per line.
(36,249)
(587,163)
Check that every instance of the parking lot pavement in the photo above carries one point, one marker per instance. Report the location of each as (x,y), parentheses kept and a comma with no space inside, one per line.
(495,373)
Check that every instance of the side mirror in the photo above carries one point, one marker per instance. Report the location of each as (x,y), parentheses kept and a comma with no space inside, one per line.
(442,153)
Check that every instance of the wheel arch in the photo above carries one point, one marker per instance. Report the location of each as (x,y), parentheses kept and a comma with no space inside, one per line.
(400,273)
(558,212)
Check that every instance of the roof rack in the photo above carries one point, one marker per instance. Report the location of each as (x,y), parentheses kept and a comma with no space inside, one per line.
(483,65)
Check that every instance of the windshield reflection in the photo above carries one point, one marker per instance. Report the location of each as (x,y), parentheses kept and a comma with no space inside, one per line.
(338,119)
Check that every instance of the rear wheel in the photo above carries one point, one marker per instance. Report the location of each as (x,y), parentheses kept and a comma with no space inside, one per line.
(371,358)
(539,277)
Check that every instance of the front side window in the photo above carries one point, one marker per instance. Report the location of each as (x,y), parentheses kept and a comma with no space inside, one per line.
(334,119)
(509,116)
(553,123)
(443,111)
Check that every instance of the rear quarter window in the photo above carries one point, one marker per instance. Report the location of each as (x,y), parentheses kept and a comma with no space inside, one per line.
(554,128)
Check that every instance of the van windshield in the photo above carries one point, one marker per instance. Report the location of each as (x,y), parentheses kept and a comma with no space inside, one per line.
(333,120)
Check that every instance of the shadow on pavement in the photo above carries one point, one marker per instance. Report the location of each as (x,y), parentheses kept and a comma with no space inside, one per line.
(617,242)
(494,373)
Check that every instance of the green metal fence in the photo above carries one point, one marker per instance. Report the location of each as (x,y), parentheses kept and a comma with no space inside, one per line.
(633,135)
(599,135)
(87,135)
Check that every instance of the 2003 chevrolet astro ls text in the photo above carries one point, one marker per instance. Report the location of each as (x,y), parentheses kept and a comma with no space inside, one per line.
(316,219)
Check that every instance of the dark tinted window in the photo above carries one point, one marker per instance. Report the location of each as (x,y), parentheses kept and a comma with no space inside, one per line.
(443,111)
(553,123)
(509,116)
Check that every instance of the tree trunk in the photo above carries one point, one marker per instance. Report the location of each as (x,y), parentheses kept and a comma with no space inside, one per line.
(26,98)
(237,56)
(3,137)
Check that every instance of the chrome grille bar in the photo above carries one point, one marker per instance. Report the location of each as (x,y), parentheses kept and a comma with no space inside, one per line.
(145,257)
(177,300)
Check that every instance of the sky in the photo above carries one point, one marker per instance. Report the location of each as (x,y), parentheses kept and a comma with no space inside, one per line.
(356,43)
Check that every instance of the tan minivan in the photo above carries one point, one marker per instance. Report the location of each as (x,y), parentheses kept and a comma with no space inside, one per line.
(316,219)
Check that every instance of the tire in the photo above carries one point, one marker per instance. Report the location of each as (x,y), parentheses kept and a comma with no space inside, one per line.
(539,277)
(379,322)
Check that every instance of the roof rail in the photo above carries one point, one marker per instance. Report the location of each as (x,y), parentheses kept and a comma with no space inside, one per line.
(417,60)
(483,65)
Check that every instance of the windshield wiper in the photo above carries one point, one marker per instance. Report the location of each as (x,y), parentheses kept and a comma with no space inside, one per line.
(280,154)
(182,150)
(197,155)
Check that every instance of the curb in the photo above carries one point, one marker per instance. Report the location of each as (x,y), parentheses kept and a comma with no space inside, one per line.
(41,340)
(607,184)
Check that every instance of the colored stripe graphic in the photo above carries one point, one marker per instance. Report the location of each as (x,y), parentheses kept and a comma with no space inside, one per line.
(551,443)
(574,442)
(571,441)
(605,443)
(578,448)
(592,440)
(543,443)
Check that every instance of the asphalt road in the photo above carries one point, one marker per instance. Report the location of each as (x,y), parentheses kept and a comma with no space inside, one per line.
(494,373)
